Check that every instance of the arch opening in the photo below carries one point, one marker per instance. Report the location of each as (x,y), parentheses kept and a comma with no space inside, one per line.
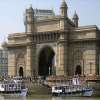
(21,71)
(78,70)
(46,62)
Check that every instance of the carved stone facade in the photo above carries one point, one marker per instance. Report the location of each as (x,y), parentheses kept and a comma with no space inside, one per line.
(56,42)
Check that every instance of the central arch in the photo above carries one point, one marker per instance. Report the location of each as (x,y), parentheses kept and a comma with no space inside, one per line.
(78,70)
(46,61)
(21,71)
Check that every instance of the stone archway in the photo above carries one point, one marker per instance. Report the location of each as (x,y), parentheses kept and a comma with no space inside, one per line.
(45,61)
(77,62)
(78,70)
(20,64)
(21,71)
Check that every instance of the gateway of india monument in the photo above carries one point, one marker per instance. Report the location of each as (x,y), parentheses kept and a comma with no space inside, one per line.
(55,45)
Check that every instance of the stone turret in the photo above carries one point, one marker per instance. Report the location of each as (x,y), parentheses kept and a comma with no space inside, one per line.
(75,19)
(63,9)
(29,20)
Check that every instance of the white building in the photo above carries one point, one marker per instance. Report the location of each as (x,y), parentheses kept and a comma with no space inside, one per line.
(3,61)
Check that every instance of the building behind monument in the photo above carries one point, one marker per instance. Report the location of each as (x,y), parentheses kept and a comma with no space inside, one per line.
(3,61)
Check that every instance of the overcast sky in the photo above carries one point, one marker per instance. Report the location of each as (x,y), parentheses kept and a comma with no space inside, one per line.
(12,11)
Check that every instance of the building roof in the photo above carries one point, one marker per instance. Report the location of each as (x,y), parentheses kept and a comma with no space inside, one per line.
(43,11)
(41,14)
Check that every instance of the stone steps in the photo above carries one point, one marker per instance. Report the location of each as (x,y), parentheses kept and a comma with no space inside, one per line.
(37,88)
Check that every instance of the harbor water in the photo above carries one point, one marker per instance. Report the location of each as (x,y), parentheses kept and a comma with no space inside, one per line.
(47,97)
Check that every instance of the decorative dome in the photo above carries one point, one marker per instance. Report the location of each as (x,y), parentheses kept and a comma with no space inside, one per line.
(75,19)
(75,16)
(63,4)
(30,9)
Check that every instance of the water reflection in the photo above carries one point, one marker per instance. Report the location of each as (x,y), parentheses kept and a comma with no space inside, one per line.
(42,97)
(1,98)
(75,98)
(12,98)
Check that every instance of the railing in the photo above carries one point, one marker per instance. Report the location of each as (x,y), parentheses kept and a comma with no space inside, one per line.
(56,79)
(95,78)
(52,79)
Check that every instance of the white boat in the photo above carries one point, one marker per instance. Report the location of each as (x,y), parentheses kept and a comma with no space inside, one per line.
(13,88)
(72,88)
